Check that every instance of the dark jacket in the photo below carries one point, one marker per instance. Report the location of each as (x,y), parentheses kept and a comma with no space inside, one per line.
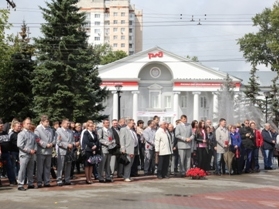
(116,137)
(88,142)
(267,140)
(248,142)
(5,145)
(13,142)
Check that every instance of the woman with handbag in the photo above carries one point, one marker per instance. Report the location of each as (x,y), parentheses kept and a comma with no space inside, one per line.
(91,146)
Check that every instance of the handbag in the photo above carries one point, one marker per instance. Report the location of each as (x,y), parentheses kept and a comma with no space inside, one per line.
(95,159)
(123,159)
(69,157)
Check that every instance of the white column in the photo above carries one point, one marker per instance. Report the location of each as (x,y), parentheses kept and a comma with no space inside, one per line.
(114,105)
(215,104)
(135,105)
(175,105)
(196,106)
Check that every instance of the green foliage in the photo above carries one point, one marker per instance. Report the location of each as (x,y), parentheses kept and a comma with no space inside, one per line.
(262,47)
(66,81)
(16,67)
(112,56)
(194,58)
(253,88)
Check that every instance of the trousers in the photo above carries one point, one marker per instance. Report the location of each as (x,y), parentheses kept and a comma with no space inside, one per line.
(61,163)
(104,166)
(43,169)
(26,167)
(127,168)
(185,160)
(149,161)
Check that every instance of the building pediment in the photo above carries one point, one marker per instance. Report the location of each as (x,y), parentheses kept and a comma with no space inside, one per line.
(155,87)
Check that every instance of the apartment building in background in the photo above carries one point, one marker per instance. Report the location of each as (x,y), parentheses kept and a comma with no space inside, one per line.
(115,22)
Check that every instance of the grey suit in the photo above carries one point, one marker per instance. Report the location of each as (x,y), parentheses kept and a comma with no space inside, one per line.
(182,132)
(44,154)
(149,159)
(62,150)
(104,135)
(128,144)
(26,141)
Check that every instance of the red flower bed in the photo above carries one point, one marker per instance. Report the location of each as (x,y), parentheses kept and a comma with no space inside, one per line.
(195,172)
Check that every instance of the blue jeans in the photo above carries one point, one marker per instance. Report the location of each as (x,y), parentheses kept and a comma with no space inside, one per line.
(268,158)
(249,154)
(9,167)
(220,163)
(15,162)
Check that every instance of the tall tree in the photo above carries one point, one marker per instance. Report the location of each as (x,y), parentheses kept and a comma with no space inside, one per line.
(262,47)
(16,88)
(15,75)
(66,81)
(253,88)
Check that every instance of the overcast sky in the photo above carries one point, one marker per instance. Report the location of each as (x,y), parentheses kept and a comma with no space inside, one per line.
(168,25)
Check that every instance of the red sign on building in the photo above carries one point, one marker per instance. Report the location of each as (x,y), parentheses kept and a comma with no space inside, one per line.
(154,55)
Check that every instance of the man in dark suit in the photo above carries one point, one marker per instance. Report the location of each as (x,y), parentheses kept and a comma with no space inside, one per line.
(114,161)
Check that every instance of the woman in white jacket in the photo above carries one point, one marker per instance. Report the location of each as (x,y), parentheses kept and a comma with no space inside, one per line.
(163,149)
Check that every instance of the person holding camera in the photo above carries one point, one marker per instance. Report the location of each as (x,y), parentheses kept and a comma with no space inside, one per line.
(248,142)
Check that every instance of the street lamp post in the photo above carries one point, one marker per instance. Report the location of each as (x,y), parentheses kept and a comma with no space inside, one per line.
(266,94)
(118,90)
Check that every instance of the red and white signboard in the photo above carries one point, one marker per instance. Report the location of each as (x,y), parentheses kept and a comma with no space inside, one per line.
(123,83)
(201,84)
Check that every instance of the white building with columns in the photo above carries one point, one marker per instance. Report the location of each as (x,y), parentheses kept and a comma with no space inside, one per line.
(158,82)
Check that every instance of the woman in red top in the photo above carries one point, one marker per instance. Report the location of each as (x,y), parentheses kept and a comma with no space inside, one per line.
(258,145)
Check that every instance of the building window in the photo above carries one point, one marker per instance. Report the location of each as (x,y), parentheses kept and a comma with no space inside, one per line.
(130,38)
(114,29)
(122,45)
(115,14)
(106,38)
(167,102)
(122,30)
(130,22)
(115,45)
(168,119)
(131,52)
(106,14)
(97,15)
(88,16)
(122,21)
(130,45)
(183,101)
(114,37)
(107,22)
(97,38)
(203,102)
(130,30)
(131,15)
(154,97)
(97,23)
(115,22)
(122,14)
(122,37)
(97,30)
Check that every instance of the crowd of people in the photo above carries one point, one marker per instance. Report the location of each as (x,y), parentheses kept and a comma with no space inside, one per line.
(120,148)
